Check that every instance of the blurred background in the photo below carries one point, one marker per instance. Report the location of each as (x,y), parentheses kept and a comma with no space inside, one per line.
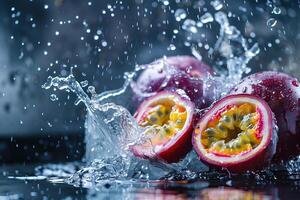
(101,40)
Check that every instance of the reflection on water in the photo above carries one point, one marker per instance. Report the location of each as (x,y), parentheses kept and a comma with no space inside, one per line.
(15,185)
(223,193)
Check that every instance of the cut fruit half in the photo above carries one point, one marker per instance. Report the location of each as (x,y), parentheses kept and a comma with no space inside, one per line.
(168,119)
(238,133)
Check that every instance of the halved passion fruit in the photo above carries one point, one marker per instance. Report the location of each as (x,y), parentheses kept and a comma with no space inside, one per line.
(238,133)
(169,118)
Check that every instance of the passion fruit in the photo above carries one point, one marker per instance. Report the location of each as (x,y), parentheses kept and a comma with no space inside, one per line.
(282,93)
(238,133)
(168,121)
(171,73)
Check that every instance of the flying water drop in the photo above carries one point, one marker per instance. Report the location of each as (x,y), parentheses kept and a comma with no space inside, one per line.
(180,14)
(276,10)
(216,4)
(206,18)
(84,83)
(190,26)
(53,97)
(271,22)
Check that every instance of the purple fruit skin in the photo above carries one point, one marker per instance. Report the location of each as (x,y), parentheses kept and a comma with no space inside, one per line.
(184,67)
(282,93)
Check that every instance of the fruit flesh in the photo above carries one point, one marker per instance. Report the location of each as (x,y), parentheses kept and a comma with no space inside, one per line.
(234,131)
(261,125)
(168,121)
(166,118)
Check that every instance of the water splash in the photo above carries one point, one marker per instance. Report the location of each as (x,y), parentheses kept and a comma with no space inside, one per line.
(111,129)
(231,49)
(236,62)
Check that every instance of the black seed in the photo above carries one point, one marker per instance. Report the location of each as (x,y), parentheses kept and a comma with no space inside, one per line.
(221,127)
(235,117)
(167,130)
(226,119)
(153,119)
(210,132)
(211,139)
(159,113)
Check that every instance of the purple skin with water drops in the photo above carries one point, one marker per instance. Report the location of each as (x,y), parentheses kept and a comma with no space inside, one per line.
(172,73)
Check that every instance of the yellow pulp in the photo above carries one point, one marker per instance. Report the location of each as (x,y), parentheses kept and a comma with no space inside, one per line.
(232,132)
(167,118)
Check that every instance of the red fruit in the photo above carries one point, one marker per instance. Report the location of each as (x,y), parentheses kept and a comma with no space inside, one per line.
(170,118)
(179,72)
(238,133)
(282,93)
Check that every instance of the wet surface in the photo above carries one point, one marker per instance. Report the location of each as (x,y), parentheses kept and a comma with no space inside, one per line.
(20,182)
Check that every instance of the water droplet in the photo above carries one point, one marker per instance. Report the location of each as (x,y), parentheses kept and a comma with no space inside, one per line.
(53,97)
(253,51)
(104,43)
(96,37)
(172,47)
(46,6)
(84,83)
(49,124)
(276,10)
(99,32)
(56,33)
(216,4)
(232,32)
(206,18)
(295,83)
(166,2)
(189,25)
(180,14)
(271,22)
(92,90)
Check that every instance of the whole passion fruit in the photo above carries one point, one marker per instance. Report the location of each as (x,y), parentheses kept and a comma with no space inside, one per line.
(238,133)
(168,121)
(282,93)
(171,73)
